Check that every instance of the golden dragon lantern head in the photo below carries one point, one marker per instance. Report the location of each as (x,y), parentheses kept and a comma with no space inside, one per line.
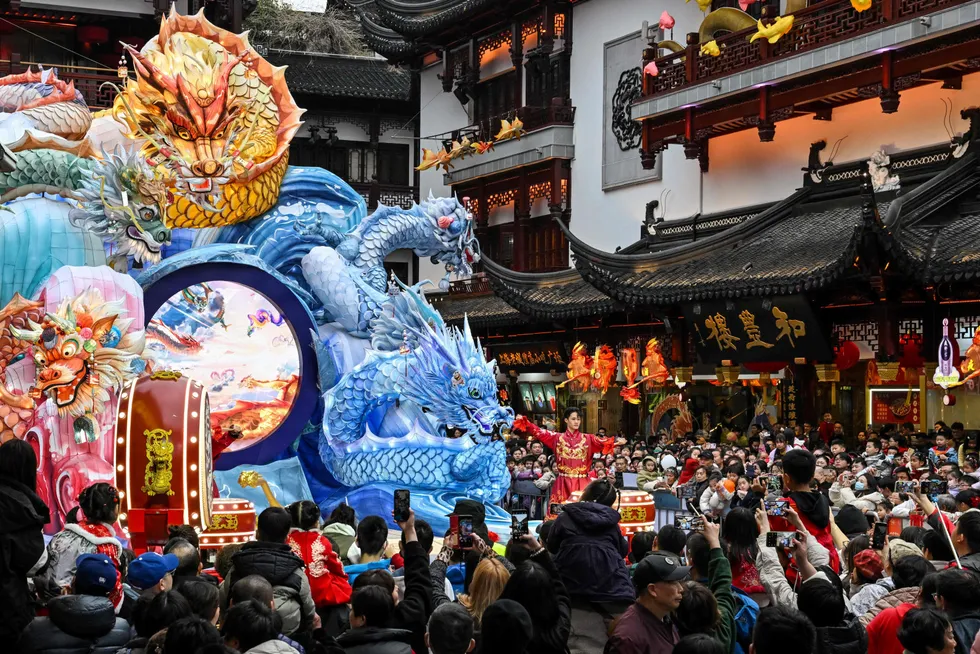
(216,117)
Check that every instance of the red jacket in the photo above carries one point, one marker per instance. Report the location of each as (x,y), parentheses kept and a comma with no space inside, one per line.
(328,581)
(690,467)
(883,630)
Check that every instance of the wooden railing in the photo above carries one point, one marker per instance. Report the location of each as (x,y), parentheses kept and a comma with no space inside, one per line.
(90,81)
(478,284)
(532,117)
(818,25)
(390,195)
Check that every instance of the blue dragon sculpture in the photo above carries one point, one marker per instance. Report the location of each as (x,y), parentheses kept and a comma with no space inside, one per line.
(440,373)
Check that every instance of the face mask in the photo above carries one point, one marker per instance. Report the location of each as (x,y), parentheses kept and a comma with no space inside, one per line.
(537,471)
(859,485)
(890,457)
(742,494)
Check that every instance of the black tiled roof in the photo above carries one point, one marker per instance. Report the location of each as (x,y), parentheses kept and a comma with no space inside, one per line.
(934,228)
(482,310)
(344,77)
(791,247)
(548,296)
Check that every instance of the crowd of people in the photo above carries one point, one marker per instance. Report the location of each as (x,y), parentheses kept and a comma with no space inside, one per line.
(780,550)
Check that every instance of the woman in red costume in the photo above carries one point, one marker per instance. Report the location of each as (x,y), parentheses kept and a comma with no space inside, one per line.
(573,452)
(324,571)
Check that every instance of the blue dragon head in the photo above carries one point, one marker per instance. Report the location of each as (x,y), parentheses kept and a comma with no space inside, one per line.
(454,243)
(452,383)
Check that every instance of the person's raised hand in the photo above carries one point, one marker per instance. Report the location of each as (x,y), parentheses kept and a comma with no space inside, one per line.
(408,526)
(798,548)
(762,520)
(531,542)
(794,518)
(712,533)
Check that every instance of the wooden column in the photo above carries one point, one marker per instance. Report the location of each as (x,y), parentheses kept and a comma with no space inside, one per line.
(517,59)
(554,201)
(522,213)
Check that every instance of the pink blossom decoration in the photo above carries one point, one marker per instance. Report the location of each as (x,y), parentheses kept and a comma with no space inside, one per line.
(667,21)
(651,69)
(744,4)
(85,332)
(445,221)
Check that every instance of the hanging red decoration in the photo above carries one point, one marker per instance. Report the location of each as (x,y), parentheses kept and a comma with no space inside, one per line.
(848,355)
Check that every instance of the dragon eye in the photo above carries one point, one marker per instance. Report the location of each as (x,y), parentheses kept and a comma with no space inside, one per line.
(39,359)
(147,214)
(69,349)
(475,393)
(183,134)
(218,133)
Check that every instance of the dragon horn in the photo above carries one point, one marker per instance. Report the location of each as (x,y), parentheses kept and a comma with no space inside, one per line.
(29,335)
(61,323)
(150,72)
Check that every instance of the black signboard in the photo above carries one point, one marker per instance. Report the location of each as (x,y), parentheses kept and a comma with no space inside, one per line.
(530,357)
(755,330)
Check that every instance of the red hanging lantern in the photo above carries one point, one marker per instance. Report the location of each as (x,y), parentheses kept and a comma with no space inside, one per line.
(848,355)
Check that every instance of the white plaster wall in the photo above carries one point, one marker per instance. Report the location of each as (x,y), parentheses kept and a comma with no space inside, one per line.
(743,171)
(441,112)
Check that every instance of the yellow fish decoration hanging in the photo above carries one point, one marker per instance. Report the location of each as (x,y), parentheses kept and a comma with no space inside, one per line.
(434,159)
(861,5)
(711,49)
(482,147)
(703,5)
(782,25)
(459,149)
(510,130)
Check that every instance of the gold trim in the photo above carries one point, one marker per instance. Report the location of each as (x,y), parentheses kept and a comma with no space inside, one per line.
(169,375)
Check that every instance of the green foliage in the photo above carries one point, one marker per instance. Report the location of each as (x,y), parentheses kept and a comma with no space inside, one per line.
(275,25)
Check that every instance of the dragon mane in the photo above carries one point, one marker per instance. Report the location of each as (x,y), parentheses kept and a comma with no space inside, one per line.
(113,364)
(103,211)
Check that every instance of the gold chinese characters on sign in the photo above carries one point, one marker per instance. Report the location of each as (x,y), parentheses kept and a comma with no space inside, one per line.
(530,358)
(159,473)
(224,522)
(721,334)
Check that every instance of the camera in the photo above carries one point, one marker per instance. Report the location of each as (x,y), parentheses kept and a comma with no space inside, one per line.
(904,486)
(689,523)
(777,507)
(780,539)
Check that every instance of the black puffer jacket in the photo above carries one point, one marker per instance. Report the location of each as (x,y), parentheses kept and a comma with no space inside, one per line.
(22,516)
(847,638)
(591,553)
(76,623)
(965,628)
(372,640)
(277,564)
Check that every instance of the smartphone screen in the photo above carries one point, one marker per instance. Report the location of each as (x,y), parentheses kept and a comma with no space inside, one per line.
(518,525)
(403,505)
(465,531)
(878,536)
(775,483)
(777,507)
(782,539)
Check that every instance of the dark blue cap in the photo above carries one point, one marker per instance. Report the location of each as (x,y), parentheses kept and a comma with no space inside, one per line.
(149,568)
(95,574)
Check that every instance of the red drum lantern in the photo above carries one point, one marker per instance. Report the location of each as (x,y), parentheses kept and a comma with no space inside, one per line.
(232,521)
(636,510)
(163,457)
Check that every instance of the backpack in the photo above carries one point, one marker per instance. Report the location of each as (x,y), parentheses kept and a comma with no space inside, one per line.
(746,615)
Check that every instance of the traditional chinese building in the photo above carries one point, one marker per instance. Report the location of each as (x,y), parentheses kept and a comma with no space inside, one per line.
(796,197)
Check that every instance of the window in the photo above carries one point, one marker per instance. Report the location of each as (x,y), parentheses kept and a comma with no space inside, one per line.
(393,164)
(547,248)
(500,244)
(362,166)
(494,96)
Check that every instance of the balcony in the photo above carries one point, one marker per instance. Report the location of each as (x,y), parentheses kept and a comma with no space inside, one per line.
(390,195)
(549,136)
(478,284)
(832,56)
(88,80)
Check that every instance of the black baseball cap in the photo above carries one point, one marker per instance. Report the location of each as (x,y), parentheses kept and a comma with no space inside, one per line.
(659,566)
